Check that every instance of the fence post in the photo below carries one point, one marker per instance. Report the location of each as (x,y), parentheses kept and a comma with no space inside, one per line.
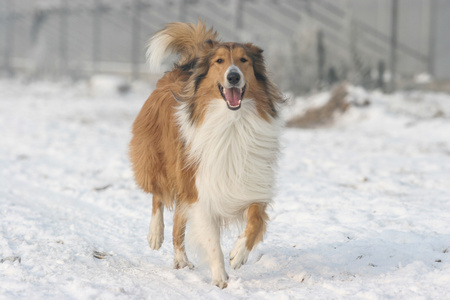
(2,31)
(9,18)
(320,57)
(182,11)
(393,49)
(63,36)
(238,9)
(380,78)
(432,36)
(96,36)
(135,34)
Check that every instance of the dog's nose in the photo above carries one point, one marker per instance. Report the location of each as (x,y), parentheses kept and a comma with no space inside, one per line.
(233,77)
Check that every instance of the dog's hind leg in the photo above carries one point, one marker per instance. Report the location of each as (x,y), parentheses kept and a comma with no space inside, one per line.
(252,235)
(156,232)
(179,228)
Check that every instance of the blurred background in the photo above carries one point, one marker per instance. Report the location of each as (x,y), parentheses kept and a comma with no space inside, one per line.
(309,45)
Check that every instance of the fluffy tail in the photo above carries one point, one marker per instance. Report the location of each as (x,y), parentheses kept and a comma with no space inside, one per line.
(184,39)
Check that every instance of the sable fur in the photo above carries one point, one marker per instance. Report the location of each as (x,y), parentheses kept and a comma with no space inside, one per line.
(190,151)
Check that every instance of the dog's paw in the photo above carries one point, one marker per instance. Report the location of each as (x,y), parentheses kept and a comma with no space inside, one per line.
(182,264)
(239,254)
(155,240)
(155,236)
(220,280)
(180,261)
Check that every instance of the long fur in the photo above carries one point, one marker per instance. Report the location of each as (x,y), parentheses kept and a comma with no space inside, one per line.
(236,166)
(192,150)
(184,39)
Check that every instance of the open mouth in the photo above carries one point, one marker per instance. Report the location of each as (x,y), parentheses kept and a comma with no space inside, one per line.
(232,96)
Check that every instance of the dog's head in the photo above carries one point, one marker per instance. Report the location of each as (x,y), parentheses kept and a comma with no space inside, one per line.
(229,71)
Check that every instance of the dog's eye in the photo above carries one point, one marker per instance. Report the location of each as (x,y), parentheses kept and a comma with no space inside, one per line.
(243,60)
(219,61)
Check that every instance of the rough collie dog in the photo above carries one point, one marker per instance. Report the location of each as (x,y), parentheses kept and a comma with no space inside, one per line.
(205,143)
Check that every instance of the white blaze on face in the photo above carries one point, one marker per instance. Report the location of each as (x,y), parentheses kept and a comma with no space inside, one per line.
(233,93)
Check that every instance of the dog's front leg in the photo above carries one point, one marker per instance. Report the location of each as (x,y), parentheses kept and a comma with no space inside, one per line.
(205,230)
(252,235)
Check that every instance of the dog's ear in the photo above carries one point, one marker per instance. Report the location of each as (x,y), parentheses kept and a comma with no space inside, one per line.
(199,71)
(257,58)
(206,47)
(254,49)
(209,43)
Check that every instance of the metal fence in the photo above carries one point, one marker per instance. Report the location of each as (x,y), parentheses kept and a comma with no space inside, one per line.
(307,43)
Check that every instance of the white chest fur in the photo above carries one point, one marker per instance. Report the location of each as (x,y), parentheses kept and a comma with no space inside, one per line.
(236,153)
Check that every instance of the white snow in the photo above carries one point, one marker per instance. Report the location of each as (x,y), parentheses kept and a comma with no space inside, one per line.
(362,209)
(423,78)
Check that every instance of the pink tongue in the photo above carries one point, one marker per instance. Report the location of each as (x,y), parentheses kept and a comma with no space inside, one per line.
(233,95)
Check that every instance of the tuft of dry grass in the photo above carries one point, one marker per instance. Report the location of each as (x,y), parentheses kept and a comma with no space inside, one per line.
(323,115)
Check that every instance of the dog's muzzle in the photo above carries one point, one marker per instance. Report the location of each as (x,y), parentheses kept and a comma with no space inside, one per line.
(233,96)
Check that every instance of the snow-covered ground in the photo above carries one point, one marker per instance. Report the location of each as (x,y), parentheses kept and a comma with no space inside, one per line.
(362,209)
